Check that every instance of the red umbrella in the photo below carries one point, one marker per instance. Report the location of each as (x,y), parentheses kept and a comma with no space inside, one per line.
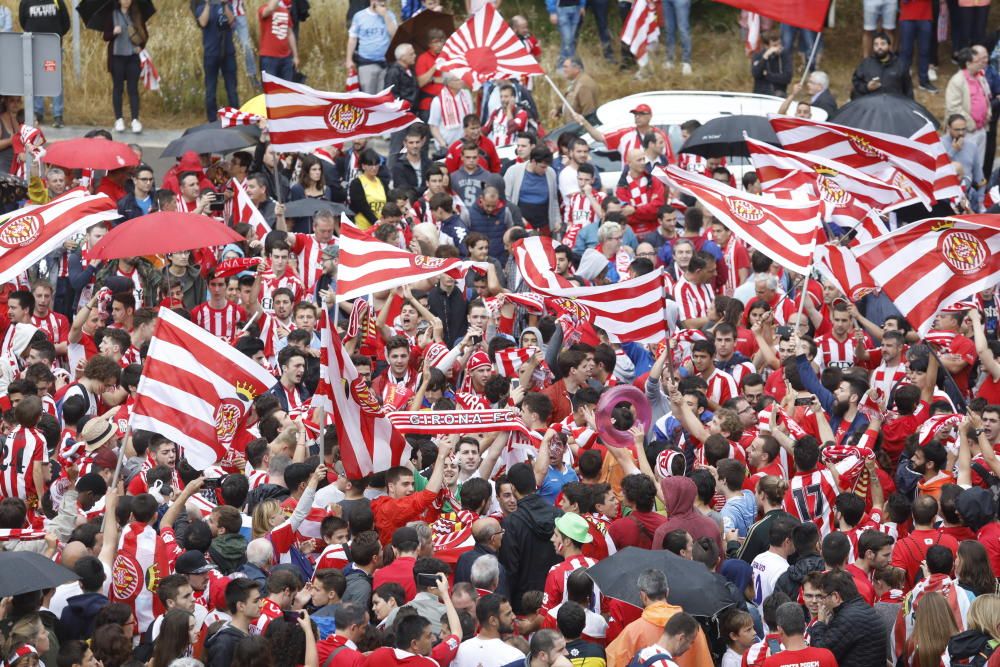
(93,153)
(162,233)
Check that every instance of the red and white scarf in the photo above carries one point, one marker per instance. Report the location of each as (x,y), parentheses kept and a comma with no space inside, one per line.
(453,108)
(638,189)
(230,117)
(28,138)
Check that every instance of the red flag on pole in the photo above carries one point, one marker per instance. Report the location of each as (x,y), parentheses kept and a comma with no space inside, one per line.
(933,263)
(194,390)
(484,48)
(301,118)
(808,14)
(368,442)
(784,230)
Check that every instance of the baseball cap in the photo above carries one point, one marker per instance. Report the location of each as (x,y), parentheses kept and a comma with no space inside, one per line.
(575,527)
(192,562)
(642,108)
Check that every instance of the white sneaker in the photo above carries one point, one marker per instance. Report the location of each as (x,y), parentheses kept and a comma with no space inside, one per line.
(136,126)
(669,64)
(932,73)
(119,125)
(686,69)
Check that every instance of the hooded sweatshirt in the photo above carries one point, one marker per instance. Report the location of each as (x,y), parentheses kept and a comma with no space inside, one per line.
(10,361)
(647,631)
(526,551)
(77,621)
(228,552)
(188,162)
(678,498)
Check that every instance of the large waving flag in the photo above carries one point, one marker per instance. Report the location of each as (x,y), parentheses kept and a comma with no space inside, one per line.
(831,181)
(839,265)
(301,118)
(874,153)
(367,265)
(244,210)
(29,234)
(641,28)
(630,310)
(808,14)
(946,185)
(933,263)
(783,229)
(368,442)
(194,390)
(484,48)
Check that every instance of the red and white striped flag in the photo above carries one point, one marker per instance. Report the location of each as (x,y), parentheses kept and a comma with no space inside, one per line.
(874,153)
(939,338)
(834,183)
(244,210)
(194,390)
(368,442)
(484,48)
(628,311)
(753,32)
(301,118)
(992,197)
(510,360)
(27,138)
(142,560)
(352,84)
(870,227)
(29,234)
(148,72)
(232,117)
(641,28)
(946,185)
(367,265)
(784,230)
(838,265)
(934,263)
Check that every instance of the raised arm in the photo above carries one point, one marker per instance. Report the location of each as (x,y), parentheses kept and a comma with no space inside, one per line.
(986,358)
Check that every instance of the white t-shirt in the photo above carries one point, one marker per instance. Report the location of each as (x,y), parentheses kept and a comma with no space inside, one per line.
(476,652)
(731,658)
(767,567)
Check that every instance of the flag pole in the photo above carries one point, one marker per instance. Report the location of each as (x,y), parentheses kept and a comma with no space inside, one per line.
(559,93)
(121,457)
(812,57)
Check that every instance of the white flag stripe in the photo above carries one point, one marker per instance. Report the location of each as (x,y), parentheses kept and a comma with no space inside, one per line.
(167,394)
(178,357)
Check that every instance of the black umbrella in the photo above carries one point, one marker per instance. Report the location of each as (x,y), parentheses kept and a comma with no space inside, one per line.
(692,586)
(308,207)
(95,12)
(723,136)
(414,31)
(252,130)
(27,571)
(884,112)
(210,141)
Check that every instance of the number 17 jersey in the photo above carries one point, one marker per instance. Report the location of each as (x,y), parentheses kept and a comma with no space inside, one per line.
(810,497)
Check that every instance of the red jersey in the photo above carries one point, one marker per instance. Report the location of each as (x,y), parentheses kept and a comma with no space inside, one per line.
(811,496)
(807,657)
(269,610)
(274,31)
(333,556)
(909,551)
(24,448)
(555,582)
(501,129)
(833,353)
(54,325)
(309,252)
(430,90)
(488,158)
(966,350)
(862,582)
(272,282)
(441,655)
(223,322)
(721,387)
(692,300)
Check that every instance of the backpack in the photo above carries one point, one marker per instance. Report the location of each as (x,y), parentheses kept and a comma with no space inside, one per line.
(636,662)
(333,654)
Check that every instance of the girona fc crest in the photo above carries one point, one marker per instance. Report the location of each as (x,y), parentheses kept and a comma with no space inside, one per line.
(904,184)
(365,399)
(963,251)
(20,231)
(425,262)
(863,146)
(345,118)
(126,577)
(745,210)
(830,191)
(228,416)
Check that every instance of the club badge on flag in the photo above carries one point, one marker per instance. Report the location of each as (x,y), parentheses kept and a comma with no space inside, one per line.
(194,390)
(301,119)
(484,48)
(29,234)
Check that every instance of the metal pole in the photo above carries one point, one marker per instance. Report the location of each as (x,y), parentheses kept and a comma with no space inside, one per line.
(812,57)
(559,94)
(29,93)
(76,40)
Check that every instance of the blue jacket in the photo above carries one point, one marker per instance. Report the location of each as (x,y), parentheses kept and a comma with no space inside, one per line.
(492,226)
(826,397)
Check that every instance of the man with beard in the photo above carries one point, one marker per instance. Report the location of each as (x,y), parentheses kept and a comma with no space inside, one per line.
(931,462)
(882,72)
(841,405)
(496,619)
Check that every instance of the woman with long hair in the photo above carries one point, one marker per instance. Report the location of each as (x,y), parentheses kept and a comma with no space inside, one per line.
(178,635)
(978,642)
(311,185)
(367,192)
(26,631)
(10,106)
(933,626)
(972,568)
(292,643)
(126,35)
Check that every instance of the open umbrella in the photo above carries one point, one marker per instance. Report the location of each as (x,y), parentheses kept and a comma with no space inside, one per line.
(308,207)
(692,586)
(216,124)
(220,140)
(163,232)
(255,105)
(92,153)
(95,13)
(723,136)
(414,31)
(884,112)
(27,571)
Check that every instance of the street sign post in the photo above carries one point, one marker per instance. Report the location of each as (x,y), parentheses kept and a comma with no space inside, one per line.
(32,67)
